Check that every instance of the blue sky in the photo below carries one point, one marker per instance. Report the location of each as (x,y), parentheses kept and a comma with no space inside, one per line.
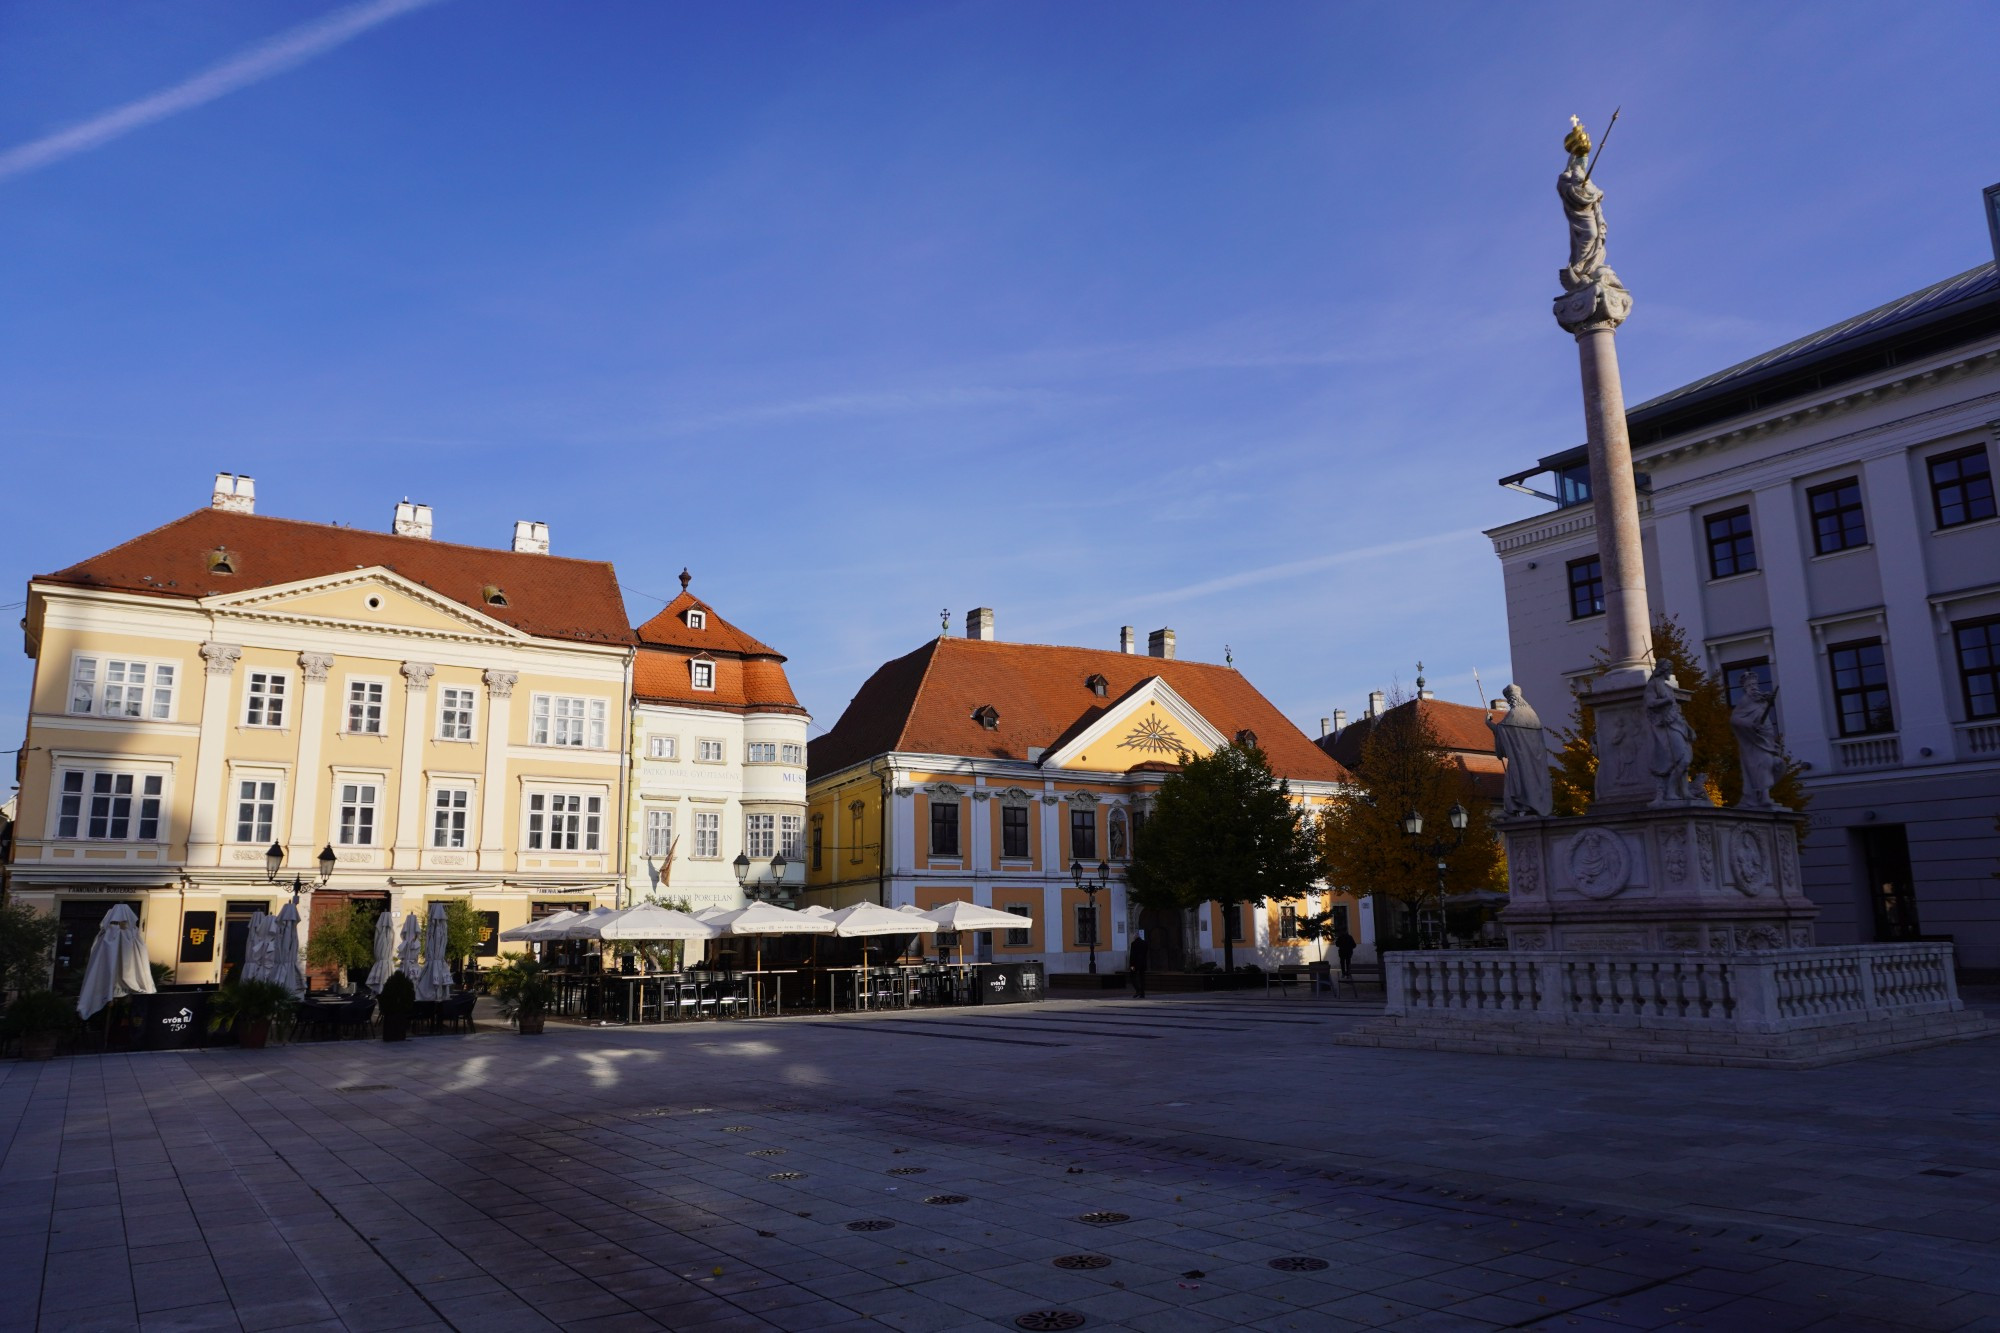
(1223,317)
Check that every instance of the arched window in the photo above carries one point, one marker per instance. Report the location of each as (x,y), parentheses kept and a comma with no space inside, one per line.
(1121,843)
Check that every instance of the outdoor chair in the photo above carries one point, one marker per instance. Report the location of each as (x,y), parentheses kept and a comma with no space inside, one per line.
(356,1018)
(457,1011)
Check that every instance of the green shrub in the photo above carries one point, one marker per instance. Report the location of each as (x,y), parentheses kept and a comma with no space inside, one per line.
(521,987)
(398,998)
(27,939)
(37,1012)
(343,938)
(248,1002)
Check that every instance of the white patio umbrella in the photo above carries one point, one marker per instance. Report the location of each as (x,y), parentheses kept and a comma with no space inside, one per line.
(646,922)
(260,947)
(385,949)
(407,946)
(286,969)
(960,915)
(582,926)
(815,910)
(536,931)
(118,964)
(761,919)
(866,919)
(434,982)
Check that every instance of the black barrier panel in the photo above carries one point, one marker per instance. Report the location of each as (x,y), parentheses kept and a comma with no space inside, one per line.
(1006,983)
(171,1020)
(198,937)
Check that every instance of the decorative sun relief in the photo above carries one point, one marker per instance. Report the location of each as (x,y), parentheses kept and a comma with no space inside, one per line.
(1153,735)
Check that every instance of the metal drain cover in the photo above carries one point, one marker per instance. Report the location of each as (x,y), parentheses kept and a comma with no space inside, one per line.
(946,1198)
(908,1170)
(1082,1261)
(1102,1220)
(870,1224)
(1298,1263)
(786,1175)
(767,1152)
(1049,1319)
(736,1129)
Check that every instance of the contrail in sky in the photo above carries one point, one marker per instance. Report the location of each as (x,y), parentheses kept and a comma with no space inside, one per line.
(253,65)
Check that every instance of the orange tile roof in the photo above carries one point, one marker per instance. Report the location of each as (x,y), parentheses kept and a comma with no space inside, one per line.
(669,629)
(551,597)
(923,702)
(742,684)
(1460,728)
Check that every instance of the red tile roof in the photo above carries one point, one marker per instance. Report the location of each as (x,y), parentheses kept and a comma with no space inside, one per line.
(1459,728)
(923,702)
(551,597)
(669,629)
(749,674)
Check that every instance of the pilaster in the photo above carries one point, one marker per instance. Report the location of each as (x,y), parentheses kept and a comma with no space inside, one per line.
(493,781)
(205,814)
(1916,674)
(306,772)
(410,775)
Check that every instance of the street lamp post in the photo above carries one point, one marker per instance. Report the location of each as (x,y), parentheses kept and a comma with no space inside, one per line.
(1438,849)
(1091,887)
(274,861)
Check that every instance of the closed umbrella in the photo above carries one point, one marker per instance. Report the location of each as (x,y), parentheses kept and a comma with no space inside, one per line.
(260,947)
(434,982)
(385,949)
(118,964)
(407,947)
(286,969)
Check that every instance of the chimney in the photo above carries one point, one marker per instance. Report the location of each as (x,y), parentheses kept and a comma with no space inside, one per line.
(1325,725)
(1339,720)
(1499,705)
(1423,692)
(1375,700)
(1128,639)
(1160,643)
(529,538)
(412,520)
(1993,218)
(236,494)
(979,623)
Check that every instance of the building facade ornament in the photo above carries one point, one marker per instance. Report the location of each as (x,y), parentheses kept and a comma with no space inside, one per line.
(315,666)
(950,791)
(1749,861)
(1760,748)
(1529,788)
(417,675)
(1598,863)
(1672,738)
(220,657)
(1593,298)
(500,684)
(1083,798)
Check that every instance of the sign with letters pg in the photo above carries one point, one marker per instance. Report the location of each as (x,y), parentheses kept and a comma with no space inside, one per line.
(198,937)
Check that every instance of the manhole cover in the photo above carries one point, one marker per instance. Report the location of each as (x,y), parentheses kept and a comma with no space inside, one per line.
(768,1152)
(1298,1263)
(870,1224)
(363,1087)
(945,1198)
(736,1129)
(1082,1261)
(908,1170)
(1103,1220)
(786,1175)
(1049,1319)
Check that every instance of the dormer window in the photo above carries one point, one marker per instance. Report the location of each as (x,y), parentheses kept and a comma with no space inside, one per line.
(1247,739)
(697,618)
(701,673)
(987,716)
(1099,686)
(493,595)
(222,561)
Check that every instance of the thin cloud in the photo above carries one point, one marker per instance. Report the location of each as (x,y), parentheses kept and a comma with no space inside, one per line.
(259,62)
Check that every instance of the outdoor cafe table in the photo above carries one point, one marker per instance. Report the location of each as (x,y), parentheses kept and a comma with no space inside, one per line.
(777,976)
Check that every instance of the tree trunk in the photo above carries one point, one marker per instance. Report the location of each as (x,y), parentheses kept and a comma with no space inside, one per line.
(1228,944)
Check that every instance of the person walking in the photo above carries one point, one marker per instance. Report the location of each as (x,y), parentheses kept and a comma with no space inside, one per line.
(1343,944)
(1135,963)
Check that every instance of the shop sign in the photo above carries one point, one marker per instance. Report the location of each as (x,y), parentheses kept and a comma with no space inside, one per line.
(489,935)
(198,937)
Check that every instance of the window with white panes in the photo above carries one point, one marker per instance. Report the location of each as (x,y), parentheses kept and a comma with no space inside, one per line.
(561,719)
(792,836)
(660,833)
(703,674)
(565,822)
(256,809)
(760,835)
(792,754)
(455,709)
(359,817)
(711,752)
(708,834)
(264,698)
(697,619)
(662,747)
(364,707)
(451,807)
(760,752)
(109,807)
(1019,939)
(123,687)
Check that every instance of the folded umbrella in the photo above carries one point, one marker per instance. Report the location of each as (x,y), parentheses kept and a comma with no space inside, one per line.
(286,969)
(407,946)
(434,982)
(118,964)
(385,950)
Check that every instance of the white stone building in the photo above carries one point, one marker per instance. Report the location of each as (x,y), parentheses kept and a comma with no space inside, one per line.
(1823,515)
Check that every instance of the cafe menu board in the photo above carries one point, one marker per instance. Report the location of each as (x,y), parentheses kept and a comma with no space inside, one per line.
(489,935)
(198,937)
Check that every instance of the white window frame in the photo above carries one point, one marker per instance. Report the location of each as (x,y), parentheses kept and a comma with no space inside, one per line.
(703,756)
(452,717)
(564,819)
(792,836)
(91,682)
(451,817)
(238,780)
(760,836)
(96,796)
(275,698)
(659,832)
(701,674)
(697,618)
(362,796)
(760,752)
(663,747)
(567,721)
(791,752)
(380,705)
(707,835)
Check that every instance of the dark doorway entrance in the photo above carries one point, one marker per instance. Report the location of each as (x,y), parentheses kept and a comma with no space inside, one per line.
(236,935)
(332,905)
(78,922)
(1166,938)
(1892,891)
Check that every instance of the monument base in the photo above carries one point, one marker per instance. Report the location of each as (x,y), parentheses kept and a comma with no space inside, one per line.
(1764,1009)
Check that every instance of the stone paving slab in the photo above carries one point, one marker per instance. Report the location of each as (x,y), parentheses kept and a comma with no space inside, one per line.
(605,1178)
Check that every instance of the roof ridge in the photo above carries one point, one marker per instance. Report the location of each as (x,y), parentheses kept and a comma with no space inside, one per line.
(1084,648)
(923,682)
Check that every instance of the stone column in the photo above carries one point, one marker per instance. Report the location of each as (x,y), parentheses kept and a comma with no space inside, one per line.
(206,810)
(1614,495)
(410,777)
(311,722)
(493,782)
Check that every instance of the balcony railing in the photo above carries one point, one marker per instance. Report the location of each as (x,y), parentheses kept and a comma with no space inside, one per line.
(1980,739)
(1867,752)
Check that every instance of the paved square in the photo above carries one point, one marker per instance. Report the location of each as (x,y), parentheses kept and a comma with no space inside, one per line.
(926,1171)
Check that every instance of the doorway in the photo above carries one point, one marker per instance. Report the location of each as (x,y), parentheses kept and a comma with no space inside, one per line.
(78,923)
(1166,938)
(236,935)
(1892,890)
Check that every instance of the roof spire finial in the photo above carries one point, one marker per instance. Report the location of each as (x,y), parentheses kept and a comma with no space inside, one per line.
(686,578)
(1420,678)
(1228,658)
(944,623)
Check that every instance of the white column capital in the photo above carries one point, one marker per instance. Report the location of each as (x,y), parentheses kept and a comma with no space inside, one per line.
(500,684)
(221,658)
(417,676)
(316,666)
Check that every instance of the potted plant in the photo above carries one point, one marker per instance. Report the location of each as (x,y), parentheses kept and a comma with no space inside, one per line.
(249,1007)
(397,1001)
(38,1018)
(524,992)
(343,942)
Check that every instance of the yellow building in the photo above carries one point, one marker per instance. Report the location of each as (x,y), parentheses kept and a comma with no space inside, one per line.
(980,770)
(448,719)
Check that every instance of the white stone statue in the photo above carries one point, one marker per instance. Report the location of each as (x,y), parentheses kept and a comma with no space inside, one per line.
(1591,290)
(1517,738)
(1672,737)
(1760,749)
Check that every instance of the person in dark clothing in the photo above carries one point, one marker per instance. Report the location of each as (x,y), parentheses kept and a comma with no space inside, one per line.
(1135,963)
(1344,945)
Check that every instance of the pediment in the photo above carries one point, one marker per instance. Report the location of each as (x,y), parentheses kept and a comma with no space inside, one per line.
(372,599)
(1150,722)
